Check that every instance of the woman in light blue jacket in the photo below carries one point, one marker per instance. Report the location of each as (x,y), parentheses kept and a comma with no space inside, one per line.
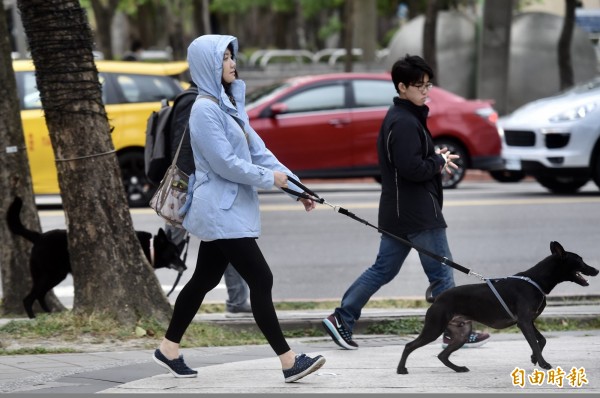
(231,162)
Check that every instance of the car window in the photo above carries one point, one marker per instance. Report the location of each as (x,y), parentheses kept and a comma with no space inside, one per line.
(317,99)
(143,88)
(31,95)
(373,93)
(264,93)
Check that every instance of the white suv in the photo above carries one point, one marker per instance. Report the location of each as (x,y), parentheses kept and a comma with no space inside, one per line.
(556,139)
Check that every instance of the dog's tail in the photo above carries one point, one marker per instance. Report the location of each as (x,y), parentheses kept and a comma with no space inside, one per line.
(15,225)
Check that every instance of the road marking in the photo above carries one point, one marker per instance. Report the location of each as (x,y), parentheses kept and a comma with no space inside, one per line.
(375,205)
(447,203)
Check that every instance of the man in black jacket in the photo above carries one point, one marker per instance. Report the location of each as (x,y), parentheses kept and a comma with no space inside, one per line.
(411,201)
(237,303)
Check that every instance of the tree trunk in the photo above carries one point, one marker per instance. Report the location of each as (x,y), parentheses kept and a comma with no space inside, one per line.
(565,65)
(104,12)
(494,53)
(365,30)
(429,35)
(110,273)
(348,32)
(15,180)
(174,10)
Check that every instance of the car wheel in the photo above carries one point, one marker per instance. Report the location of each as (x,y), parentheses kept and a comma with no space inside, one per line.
(138,189)
(596,171)
(562,184)
(507,175)
(450,181)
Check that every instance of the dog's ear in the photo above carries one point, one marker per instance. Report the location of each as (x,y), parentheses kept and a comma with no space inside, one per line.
(161,233)
(556,248)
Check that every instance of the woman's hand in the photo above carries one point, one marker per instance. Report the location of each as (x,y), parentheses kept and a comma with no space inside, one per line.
(308,204)
(449,158)
(280,179)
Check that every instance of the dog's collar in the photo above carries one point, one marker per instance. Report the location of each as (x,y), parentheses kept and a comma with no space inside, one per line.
(152,251)
(527,279)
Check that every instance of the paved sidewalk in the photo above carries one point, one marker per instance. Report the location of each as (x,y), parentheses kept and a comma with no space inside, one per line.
(370,369)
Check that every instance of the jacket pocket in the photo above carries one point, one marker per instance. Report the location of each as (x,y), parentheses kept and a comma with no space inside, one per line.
(202,179)
(230,191)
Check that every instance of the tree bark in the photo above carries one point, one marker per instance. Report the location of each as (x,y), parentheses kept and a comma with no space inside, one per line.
(429,35)
(104,12)
(348,32)
(174,10)
(365,30)
(565,64)
(110,272)
(15,180)
(494,53)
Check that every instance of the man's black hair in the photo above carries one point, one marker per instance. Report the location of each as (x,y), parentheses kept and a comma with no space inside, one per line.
(410,70)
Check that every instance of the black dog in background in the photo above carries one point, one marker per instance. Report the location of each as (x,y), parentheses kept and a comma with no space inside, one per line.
(50,263)
(524,294)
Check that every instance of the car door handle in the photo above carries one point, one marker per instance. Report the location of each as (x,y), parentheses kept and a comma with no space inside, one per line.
(339,122)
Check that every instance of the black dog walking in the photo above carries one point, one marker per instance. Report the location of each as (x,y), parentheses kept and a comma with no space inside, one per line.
(50,263)
(522,298)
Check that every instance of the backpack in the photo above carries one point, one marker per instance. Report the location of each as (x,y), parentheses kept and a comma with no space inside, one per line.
(157,152)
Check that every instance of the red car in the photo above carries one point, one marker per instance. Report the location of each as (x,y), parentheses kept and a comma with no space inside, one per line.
(326,126)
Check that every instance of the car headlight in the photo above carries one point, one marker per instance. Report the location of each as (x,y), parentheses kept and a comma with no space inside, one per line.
(575,113)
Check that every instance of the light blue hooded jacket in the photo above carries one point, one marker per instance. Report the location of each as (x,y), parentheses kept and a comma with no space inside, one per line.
(222,198)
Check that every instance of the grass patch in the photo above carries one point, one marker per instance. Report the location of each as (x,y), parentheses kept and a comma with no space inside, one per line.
(66,332)
(36,351)
(212,308)
(34,336)
(414,325)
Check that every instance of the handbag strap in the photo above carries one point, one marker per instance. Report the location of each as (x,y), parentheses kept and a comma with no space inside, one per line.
(210,97)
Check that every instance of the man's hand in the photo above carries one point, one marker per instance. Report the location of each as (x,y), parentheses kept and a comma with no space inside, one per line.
(449,158)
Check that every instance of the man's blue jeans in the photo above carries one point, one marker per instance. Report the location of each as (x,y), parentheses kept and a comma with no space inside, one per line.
(390,258)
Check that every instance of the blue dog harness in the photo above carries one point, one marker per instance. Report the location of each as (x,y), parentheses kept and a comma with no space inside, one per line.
(523,278)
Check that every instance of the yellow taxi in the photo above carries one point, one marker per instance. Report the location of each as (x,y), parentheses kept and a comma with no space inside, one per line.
(130,91)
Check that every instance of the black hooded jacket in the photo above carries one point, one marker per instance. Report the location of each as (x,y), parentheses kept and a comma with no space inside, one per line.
(411,186)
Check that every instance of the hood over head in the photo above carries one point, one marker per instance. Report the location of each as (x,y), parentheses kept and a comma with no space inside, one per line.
(205,58)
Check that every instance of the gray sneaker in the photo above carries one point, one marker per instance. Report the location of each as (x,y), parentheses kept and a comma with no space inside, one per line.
(239,312)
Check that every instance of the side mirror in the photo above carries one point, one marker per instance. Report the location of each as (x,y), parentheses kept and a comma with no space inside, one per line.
(278,109)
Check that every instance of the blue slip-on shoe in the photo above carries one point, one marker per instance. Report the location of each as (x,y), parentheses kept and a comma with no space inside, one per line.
(177,367)
(303,366)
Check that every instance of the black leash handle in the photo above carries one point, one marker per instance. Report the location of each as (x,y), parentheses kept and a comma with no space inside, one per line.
(303,195)
(316,198)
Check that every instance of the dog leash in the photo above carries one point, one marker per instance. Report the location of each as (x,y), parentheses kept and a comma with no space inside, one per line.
(311,195)
(186,241)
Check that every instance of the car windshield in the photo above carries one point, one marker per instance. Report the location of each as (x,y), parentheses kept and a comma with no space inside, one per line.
(264,93)
(587,86)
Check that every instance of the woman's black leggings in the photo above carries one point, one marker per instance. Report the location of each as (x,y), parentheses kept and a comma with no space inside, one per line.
(246,257)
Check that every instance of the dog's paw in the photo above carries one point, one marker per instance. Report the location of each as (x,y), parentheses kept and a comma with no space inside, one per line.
(462,369)
(545,365)
(533,359)
(402,371)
